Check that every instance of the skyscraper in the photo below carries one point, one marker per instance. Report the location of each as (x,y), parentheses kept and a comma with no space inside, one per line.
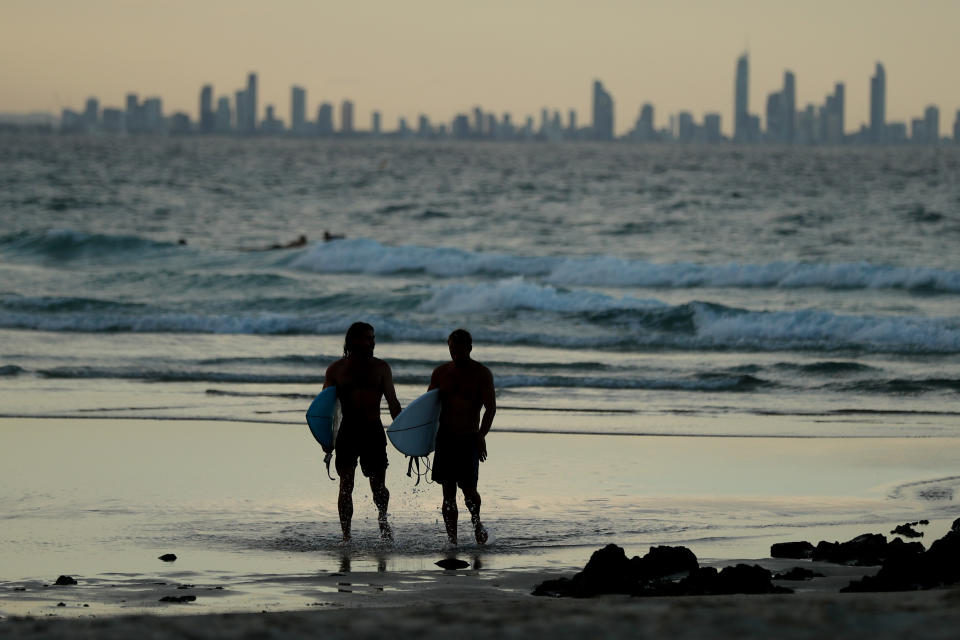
(789,106)
(931,124)
(839,102)
(346,117)
(91,114)
(222,120)
(602,113)
(325,119)
(775,113)
(878,105)
(240,107)
(251,110)
(741,104)
(298,110)
(206,109)
(134,114)
(375,123)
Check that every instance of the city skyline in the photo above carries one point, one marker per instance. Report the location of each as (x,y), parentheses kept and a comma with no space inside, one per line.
(784,123)
(509,57)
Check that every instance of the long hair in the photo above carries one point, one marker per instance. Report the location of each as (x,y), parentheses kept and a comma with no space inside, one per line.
(354,332)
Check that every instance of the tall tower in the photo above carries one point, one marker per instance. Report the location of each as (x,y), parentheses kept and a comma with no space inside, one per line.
(931,124)
(789,105)
(251,124)
(206,109)
(602,113)
(346,117)
(325,119)
(839,102)
(878,105)
(298,110)
(241,105)
(741,105)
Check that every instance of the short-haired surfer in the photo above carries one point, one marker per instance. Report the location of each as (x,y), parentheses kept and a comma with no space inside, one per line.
(465,387)
(361,382)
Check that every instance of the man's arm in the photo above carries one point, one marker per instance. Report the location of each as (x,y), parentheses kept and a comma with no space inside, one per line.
(389,392)
(489,398)
(329,378)
(434,379)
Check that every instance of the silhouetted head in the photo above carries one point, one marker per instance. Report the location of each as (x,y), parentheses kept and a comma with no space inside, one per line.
(359,340)
(460,343)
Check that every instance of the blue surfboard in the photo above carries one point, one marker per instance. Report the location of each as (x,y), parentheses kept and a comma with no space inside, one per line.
(323,418)
(414,431)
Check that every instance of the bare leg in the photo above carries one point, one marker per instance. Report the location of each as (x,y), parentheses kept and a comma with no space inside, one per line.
(449,510)
(472,498)
(345,502)
(381,498)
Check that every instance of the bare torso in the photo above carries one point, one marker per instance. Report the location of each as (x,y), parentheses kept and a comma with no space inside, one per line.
(361,382)
(464,390)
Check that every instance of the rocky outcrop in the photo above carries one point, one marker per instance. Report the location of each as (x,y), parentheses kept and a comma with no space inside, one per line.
(663,571)
(793,550)
(915,568)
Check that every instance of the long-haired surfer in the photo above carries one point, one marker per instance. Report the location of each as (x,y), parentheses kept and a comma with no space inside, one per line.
(361,382)
(466,386)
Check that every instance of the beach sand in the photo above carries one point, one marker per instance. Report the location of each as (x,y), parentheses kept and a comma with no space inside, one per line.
(469,606)
(251,514)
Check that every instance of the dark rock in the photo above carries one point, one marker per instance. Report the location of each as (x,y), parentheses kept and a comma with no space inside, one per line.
(956,525)
(664,561)
(703,581)
(907,530)
(798,573)
(168,557)
(911,568)
(64,581)
(865,550)
(607,571)
(744,578)
(559,588)
(178,599)
(61,604)
(452,563)
(923,522)
(793,550)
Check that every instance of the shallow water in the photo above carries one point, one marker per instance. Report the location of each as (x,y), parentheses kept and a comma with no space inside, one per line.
(716,347)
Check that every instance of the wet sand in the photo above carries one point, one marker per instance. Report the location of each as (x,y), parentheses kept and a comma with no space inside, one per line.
(466,605)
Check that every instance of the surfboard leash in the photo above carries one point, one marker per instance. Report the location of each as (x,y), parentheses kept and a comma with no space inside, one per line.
(415,461)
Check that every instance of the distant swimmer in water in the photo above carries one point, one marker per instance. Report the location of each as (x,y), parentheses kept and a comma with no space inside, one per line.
(327,236)
(301,241)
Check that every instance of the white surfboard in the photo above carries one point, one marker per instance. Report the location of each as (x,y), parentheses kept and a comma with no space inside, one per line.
(323,418)
(414,431)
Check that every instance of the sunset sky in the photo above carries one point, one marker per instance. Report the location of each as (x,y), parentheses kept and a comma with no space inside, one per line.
(441,57)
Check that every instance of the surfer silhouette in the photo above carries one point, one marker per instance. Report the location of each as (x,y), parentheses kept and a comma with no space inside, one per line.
(465,387)
(361,382)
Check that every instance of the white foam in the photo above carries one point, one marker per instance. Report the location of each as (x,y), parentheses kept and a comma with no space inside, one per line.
(517,293)
(367,256)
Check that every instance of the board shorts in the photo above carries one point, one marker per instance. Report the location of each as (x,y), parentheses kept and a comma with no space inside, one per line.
(457,459)
(363,442)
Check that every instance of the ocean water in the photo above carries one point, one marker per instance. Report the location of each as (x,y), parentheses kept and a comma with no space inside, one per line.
(718,299)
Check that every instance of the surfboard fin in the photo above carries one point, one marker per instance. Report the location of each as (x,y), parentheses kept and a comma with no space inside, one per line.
(326,460)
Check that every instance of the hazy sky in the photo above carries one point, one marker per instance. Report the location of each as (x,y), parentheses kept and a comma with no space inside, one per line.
(441,57)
